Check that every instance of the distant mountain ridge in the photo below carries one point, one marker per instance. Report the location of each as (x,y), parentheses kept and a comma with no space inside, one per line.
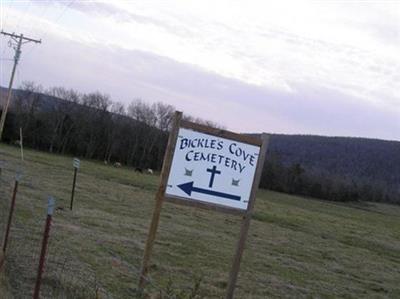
(371,159)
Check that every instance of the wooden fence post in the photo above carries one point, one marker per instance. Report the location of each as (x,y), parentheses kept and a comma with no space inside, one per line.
(73,189)
(76,164)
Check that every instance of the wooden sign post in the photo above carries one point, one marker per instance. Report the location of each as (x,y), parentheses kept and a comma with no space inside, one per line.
(159,198)
(76,163)
(212,169)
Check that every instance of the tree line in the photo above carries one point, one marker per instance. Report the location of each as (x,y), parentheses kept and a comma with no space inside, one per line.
(295,179)
(92,126)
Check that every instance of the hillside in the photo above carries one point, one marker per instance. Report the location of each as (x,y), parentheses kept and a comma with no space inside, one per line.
(341,168)
(297,247)
(373,159)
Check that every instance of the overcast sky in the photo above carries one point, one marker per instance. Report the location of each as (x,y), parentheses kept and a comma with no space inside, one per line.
(308,67)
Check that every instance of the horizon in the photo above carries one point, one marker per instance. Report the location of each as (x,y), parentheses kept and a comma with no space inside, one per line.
(326,69)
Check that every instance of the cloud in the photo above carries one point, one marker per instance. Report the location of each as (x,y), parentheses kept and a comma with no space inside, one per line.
(335,46)
(314,67)
(119,15)
(233,103)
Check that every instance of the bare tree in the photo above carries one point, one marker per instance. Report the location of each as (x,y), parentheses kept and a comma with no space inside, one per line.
(59,118)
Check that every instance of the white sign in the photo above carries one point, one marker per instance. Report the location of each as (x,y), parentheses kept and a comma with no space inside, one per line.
(212,169)
(76,163)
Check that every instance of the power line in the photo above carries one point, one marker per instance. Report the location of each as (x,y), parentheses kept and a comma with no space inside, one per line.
(22,16)
(4,51)
(3,21)
(3,14)
(42,15)
(34,15)
(65,9)
(58,17)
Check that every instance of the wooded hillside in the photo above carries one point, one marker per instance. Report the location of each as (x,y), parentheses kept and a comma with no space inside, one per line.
(336,168)
(95,127)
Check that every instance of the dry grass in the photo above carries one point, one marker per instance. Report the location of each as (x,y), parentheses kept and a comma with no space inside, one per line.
(297,247)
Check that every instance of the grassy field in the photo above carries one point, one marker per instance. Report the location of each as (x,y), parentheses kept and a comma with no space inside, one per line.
(297,247)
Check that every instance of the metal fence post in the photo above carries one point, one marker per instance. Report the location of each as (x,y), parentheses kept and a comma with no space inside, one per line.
(50,210)
(10,216)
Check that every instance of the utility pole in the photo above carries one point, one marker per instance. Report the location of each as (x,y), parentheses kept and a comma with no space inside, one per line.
(19,40)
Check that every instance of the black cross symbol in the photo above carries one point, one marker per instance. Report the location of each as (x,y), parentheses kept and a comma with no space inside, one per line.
(213,171)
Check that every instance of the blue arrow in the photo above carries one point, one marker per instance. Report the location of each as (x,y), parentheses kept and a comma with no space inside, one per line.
(188,188)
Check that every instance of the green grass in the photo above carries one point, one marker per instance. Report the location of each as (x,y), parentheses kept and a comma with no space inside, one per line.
(297,247)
